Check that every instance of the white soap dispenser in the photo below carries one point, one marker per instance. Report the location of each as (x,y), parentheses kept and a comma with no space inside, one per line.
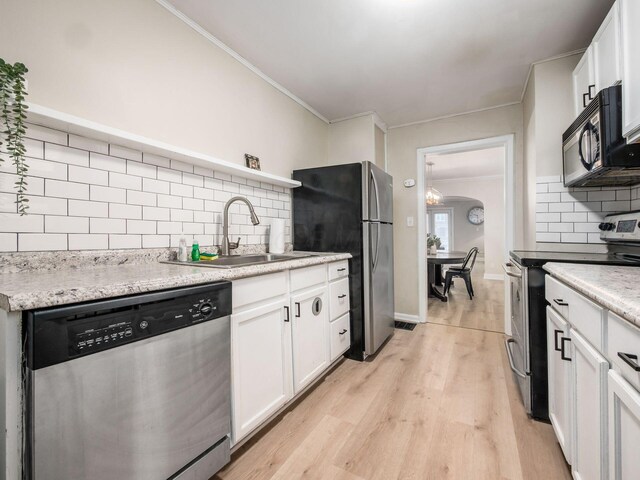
(183,254)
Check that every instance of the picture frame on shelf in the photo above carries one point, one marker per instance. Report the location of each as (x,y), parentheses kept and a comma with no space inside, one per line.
(252,162)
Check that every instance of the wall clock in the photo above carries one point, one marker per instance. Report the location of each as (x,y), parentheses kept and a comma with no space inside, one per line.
(476,216)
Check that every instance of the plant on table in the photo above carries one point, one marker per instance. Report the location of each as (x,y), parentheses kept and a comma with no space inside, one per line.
(433,239)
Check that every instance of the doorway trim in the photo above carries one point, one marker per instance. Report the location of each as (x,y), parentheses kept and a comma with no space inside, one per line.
(506,141)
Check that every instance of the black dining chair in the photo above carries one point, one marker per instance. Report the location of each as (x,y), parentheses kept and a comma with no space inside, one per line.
(463,272)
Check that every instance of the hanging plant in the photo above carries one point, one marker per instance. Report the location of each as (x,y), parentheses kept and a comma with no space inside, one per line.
(12,117)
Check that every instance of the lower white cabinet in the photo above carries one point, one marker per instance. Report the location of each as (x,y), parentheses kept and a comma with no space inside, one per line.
(559,370)
(340,336)
(309,322)
(624,429)
(589,378)
(260,365)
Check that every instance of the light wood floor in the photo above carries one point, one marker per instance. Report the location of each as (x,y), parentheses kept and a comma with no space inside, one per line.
(435,403)
(484,312)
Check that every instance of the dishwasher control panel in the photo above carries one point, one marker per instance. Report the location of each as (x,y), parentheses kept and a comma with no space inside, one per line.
(64,333)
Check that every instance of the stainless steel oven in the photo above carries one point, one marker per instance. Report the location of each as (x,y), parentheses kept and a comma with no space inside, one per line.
(518,344)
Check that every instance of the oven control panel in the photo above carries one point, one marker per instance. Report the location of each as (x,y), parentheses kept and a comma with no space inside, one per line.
(621,227)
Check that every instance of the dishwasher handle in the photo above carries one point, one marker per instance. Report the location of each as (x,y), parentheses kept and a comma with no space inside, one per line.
(514,369)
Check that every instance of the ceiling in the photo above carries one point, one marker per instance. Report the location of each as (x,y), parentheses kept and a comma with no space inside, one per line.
(407,60)
(488,162)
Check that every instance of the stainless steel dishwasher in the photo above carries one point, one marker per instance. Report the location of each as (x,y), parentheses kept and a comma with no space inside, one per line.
(130,388)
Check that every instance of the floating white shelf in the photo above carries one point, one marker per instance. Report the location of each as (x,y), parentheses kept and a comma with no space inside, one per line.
(79,126)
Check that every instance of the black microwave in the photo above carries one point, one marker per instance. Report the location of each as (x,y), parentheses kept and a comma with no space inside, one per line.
(594,152)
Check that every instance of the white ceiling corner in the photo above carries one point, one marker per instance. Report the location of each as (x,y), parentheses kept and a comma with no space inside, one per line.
(405,60)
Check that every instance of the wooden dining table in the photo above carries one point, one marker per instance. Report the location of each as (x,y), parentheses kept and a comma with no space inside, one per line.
(434,270)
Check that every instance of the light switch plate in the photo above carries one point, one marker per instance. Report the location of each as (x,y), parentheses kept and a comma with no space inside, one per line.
(409,182)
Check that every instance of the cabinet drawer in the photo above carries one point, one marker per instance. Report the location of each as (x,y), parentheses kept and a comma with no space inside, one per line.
(338,269)
(624,338)
(587,317)
(252,290)
(308,277)
(339,298)
(340,336)
(557,294)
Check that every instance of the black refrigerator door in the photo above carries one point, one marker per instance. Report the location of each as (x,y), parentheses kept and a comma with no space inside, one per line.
(327,217)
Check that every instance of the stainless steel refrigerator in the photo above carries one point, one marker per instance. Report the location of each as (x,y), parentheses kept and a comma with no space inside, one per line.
(349,208)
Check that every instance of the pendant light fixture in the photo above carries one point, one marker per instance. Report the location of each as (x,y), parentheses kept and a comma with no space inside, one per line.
(433,196)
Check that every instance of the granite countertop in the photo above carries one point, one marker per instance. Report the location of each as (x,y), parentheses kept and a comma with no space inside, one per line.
(38,289)
(614,287)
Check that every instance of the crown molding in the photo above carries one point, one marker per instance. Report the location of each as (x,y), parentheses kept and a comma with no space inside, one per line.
(434,119)
(550,59)
(217,42)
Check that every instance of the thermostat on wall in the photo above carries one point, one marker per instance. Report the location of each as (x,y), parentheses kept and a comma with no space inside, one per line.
(409,182)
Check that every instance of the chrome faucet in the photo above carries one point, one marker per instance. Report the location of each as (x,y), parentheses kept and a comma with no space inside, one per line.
(227,246)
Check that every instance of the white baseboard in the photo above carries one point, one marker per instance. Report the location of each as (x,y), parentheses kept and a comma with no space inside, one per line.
(493,276)
(404,317)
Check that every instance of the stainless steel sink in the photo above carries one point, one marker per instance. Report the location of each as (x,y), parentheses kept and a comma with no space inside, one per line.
(232,261)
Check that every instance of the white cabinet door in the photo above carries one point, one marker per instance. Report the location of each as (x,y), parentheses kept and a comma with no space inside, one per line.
(630,46)
(589,378)
(624,429)
(310,322)
(559,369)
(606,51)
(261,365)
(584,81)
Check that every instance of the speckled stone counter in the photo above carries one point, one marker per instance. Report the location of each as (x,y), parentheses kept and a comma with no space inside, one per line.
(616,288)
(28,290)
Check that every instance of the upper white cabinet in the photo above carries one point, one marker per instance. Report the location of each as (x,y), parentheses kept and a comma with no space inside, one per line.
(606,51)
(584,81)
(630,49)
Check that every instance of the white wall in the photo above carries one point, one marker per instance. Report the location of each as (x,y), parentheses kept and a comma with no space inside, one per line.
(490,193)
(402,145)
(135,66)
(352,140)
(465,234)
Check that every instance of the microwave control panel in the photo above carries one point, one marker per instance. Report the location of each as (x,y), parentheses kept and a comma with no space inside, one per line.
(621,227)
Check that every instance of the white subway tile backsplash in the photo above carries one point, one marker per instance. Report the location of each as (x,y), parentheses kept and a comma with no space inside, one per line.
(124,152)
(574,217)
(91,195)
(183,167)
(141,226)
(155,213)
(120,210)
(105,162)
(108,194)
(86,208)
(13,222)
(108,225)
(88,175)
(71,156)
(8,203)
(38,132)
(141,198)
(57,188)
(36,242)
(88,144)
(88,241)
(574,237)
(64,224)
(141,169)
(125,241)
(580,210)
(601,196)
(8,242)
(156,160)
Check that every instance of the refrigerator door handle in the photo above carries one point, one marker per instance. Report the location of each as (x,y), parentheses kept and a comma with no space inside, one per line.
(375,256)
(375,189)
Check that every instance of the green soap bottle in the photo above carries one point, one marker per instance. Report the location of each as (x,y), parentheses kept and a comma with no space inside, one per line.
(195,251)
